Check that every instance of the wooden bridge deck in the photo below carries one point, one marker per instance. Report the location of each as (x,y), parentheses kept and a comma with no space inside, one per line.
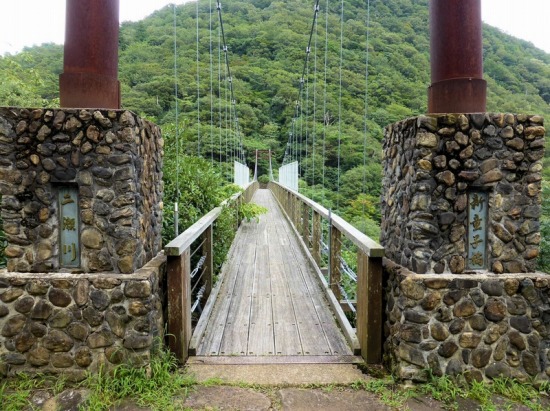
(271,302)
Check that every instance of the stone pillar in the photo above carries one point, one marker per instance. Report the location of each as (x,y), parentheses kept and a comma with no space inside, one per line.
(82,212)
(456,51)
(435,166)
(81,190)
(460,224)
(90,64)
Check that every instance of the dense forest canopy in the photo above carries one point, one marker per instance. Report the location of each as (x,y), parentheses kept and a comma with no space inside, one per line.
(266,44)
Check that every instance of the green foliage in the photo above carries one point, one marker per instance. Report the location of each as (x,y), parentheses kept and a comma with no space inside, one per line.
(387,389)
(266,50)
(15,392)
(449,390)
(263,179)
(250,211)
(544,258)
(153,386)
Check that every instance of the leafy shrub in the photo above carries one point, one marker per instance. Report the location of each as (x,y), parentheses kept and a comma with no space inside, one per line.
(249,211)
(263,179)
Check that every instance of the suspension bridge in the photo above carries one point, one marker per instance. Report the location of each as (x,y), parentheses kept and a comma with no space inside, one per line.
(298,285)
(281,291)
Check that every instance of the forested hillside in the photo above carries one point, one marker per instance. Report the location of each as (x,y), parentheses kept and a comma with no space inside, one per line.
(266,44)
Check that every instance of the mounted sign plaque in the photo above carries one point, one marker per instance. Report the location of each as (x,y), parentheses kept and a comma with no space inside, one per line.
(477,230)
(69,227)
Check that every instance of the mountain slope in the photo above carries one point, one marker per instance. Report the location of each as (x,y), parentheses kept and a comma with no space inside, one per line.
(266,42)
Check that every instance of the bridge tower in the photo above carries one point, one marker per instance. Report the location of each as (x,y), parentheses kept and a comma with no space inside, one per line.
(81,206)
(460,222)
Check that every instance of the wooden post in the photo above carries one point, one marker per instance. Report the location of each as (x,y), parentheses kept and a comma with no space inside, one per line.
(305,224)
(208,251)
(179,305)
(316,246)
(335,248)
(290,206)
(299,223)
(369,307)
(237,207)
(297,211)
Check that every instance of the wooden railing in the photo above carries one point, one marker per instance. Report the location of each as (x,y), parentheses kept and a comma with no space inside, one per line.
(306,216)
(179,271)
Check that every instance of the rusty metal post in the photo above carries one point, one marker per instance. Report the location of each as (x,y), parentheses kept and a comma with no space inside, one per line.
(90,62)
(456,48)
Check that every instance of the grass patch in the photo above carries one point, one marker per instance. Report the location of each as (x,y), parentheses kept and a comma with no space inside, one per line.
(160,386)
(448,391)
(154,386)
(15,392)
(389,392)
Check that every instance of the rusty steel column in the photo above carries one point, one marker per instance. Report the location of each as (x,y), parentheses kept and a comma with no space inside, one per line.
(90,63)
(456,47)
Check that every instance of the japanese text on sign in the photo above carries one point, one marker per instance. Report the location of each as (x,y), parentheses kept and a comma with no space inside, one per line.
(69,246)
(477,230)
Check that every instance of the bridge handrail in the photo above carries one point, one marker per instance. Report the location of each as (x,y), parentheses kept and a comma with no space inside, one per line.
(179,244)
(361,240)
(369,265)
(178,253)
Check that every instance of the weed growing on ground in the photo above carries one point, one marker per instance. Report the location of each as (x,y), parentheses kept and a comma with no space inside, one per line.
(387,389)
(154,386)
(15,392)
(444,389)
(449,390)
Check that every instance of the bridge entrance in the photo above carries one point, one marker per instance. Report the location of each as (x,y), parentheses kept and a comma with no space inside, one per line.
(270,301)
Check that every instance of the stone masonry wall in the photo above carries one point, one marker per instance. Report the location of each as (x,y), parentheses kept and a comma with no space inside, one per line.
(71,324)
(113,158)
(482,325)
(431,163)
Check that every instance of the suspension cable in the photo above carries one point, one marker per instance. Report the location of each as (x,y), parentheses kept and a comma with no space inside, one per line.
(198,87)
(325,93)
(176,211)
(220,96)
(211,86)
(232,100)
(340,102)
(299,109)
(366,111)
(314,128)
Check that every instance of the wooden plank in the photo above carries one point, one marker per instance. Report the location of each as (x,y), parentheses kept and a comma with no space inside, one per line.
(279,359)
(286,334)
(201,327)
(217,322)
(343,322)
(299,308)
(260,335)
(179,304)
(235,336)
(331,332)
(312,336)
